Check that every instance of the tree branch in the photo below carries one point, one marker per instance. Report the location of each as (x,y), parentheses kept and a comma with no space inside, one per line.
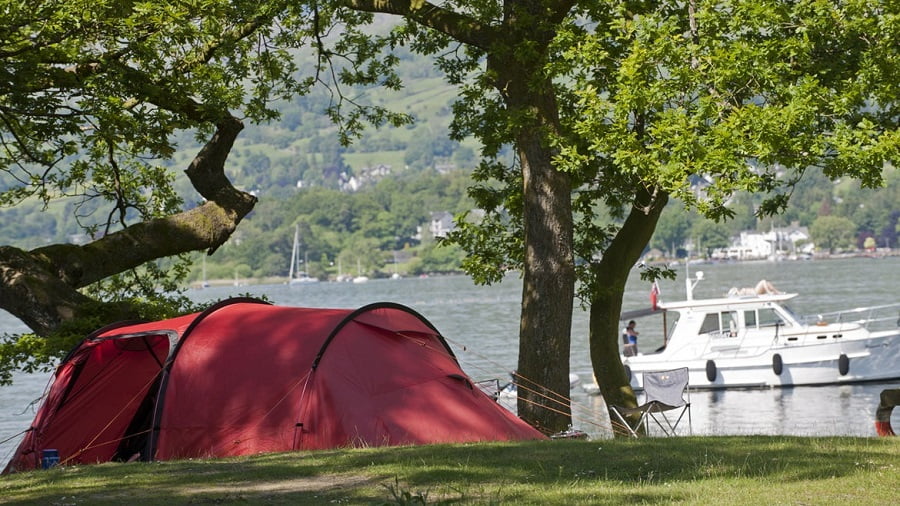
(31,291)
(205,227)
(40,287)
(461,27)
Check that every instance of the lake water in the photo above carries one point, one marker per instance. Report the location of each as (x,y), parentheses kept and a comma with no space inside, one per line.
(481,325)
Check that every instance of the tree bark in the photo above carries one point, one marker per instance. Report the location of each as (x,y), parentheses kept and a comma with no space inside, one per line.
(547,292)
(611,275)
(548,287)
(40,287)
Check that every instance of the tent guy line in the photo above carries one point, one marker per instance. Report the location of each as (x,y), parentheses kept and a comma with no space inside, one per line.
(557,398)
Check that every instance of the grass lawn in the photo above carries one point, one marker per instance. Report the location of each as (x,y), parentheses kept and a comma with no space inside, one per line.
(693,470)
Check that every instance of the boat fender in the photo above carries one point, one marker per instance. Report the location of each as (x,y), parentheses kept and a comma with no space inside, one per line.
(628,373)
(843,364)
(889,399)
(777,364)
(711,371)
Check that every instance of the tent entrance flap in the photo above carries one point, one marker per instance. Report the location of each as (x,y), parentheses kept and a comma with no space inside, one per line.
(135,445)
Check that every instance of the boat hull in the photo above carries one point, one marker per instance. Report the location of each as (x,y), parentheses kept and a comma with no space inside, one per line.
(876,358)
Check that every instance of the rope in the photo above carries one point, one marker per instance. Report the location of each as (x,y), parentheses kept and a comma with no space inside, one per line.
(552,397)
(556,398)
(572,405)
(13,449)
(104,443)
(7,440)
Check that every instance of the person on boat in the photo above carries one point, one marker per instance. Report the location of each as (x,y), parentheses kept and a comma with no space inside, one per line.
(629,339)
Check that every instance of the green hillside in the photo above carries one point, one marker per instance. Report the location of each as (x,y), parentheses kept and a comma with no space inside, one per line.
(373,200)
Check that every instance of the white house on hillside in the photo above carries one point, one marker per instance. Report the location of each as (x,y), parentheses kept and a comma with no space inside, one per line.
(747,246)
(441,224)
(779,242)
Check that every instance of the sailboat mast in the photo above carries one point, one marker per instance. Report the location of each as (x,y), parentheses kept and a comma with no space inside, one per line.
(294,251)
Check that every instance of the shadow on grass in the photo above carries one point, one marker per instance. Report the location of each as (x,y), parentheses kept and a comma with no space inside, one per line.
(605,471)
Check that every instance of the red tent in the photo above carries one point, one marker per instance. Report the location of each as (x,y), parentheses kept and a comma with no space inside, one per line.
(247,377)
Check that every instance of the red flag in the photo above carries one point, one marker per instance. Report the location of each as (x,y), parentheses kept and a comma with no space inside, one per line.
(654,295)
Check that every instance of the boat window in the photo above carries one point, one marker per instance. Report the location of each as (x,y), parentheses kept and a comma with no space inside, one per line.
(750,319)
(724,324)
(672,325)
(730,323)
(710,323)
(769,318)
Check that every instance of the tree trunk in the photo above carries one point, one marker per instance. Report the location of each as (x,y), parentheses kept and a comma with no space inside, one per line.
(611,275)
(547,294)
(40,287)
(548,287)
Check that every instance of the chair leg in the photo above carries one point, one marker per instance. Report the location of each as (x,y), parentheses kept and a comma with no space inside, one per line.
(625,423)
(667,432)
(645,420)
(685,409)
(671,429)
(690,422)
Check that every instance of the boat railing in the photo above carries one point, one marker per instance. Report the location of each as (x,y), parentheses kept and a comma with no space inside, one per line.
(881,317)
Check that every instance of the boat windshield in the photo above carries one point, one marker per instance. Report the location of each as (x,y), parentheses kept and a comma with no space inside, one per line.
(768,317)
(790,312)
(672,324)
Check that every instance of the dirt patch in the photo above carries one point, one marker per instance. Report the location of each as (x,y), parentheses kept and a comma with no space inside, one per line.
(304,484)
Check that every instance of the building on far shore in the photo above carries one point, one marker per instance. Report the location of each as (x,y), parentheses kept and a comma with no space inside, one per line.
(784,242)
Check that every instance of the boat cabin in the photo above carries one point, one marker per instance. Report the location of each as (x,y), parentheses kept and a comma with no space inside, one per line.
(728,322)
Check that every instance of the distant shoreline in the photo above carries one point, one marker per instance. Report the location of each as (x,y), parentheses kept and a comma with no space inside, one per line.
(283,280)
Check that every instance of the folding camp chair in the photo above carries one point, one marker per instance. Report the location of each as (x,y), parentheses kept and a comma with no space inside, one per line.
(664,391)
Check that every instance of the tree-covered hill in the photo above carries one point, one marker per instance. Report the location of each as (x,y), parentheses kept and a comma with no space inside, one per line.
(368,205)
(384,227)
(373,230)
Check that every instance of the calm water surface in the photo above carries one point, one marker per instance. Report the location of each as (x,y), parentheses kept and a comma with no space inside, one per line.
(481,325)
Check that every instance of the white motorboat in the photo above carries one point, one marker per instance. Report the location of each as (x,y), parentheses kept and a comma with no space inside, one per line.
(750,339)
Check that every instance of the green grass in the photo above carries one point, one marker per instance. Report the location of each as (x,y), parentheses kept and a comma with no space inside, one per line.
(696,470)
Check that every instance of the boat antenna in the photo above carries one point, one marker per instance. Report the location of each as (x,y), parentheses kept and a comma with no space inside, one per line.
(689,285)
(687,278)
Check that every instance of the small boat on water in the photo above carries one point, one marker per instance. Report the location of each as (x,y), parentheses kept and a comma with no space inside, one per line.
(750,339)
(301,277)
(360,278)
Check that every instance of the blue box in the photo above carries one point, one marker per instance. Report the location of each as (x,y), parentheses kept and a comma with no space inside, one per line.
(49,458)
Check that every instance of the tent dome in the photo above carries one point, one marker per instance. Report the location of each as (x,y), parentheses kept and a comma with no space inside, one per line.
(247,377)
